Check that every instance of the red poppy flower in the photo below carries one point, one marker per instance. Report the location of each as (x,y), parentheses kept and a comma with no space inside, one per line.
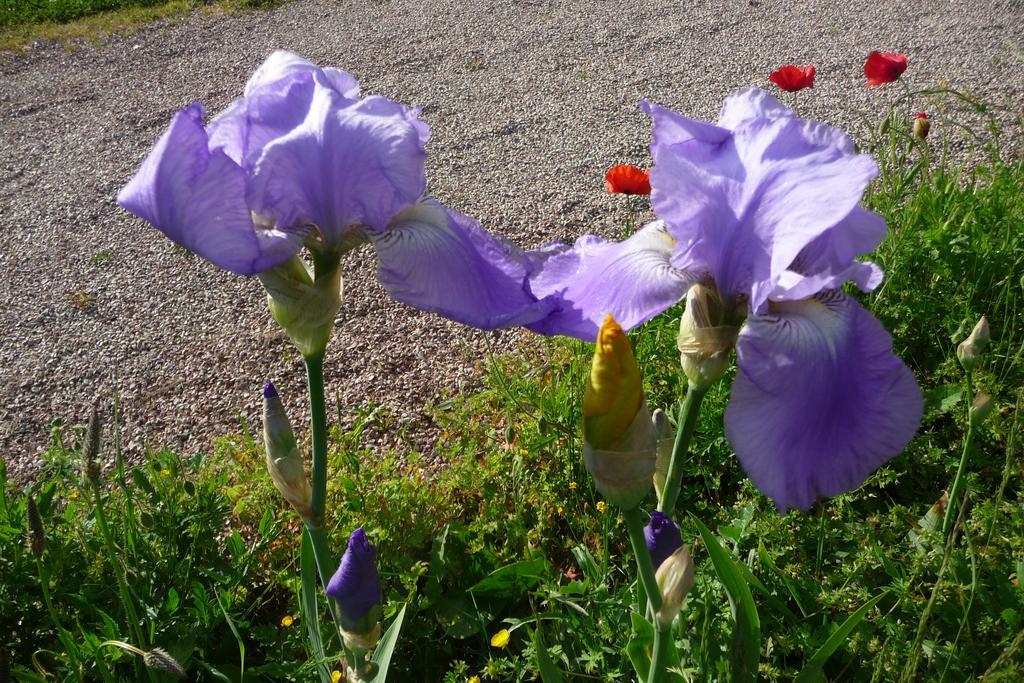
(884,67)
(626,179)
(792,77)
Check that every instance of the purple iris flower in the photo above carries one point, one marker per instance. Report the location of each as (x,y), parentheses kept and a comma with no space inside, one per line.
(662,536)
(356,584)
(765,207)
(300,159)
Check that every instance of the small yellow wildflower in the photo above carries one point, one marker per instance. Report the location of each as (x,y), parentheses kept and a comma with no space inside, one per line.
(287,620)
(500,639)
(73,495)
(561,510)
(165,473)
(601,506)
(474,679)
(335,676)
(572,486)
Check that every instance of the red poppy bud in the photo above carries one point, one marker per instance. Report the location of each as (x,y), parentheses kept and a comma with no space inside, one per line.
(792,77)
(884,67)
(922,124)
(626,179)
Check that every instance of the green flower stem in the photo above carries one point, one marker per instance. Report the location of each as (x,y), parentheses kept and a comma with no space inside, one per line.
(659,657)
(122,584)
(688,412)
(65,637)
(645,568)
(960,481)
(318,426)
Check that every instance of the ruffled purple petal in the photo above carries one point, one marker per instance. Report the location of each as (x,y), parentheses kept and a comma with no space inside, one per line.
(633,280)
(197,198)
(281,65)
(744,198)
(819,401)
(346,164)
(356,584)
(439,260)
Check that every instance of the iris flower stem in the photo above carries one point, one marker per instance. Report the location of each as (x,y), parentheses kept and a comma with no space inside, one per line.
(688,412)
(959,480)
(644,565)
(318,427)
(659,657)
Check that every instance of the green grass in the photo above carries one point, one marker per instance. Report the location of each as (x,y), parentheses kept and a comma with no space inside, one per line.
(509,531)
(68,21)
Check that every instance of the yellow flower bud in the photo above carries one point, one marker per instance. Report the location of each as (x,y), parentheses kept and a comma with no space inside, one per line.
(304,307)
(614,390)
(675,579)
(704,339)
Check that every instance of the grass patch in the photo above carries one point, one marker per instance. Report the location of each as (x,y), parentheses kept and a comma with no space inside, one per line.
(68,21)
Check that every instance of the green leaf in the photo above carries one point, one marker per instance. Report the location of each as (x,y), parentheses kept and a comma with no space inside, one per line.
(513,579)
(745,650)
(813,670)
(587,564)
(236,634)
(307,604)
(639,646)
(386,647)
(548,672)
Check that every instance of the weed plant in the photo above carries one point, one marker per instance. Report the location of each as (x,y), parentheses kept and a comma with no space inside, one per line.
(509,532)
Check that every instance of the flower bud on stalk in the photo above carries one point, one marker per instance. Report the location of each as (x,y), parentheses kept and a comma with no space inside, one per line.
(159,659)
(704,339)
(922,124)
(666,441)
(36,533)
(662,536)
(675,579)
(981,409)
(619,439)
(356,589)
(91,449)
(284,461)
(971,348)
(304,307)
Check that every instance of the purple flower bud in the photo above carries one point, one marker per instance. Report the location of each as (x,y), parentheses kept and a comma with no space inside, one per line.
(269,390)
(663,538)
(356,588)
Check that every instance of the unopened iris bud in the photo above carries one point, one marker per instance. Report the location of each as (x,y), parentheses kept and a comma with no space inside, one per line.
(981,409)
(922,124)
(619,439)
(970,349)
(675,579)
(705,339)
(356,589)
(284,461)
(614,390)
(666,442)
(662,536)
(36,533)
(304,307)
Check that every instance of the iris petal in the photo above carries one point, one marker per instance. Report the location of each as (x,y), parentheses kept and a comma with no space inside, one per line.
(346,164)
(439,260)
(197,198)
(819,401)
(633,280)
(744,198)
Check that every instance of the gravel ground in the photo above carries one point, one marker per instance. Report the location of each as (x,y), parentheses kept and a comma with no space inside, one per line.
(529,103)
